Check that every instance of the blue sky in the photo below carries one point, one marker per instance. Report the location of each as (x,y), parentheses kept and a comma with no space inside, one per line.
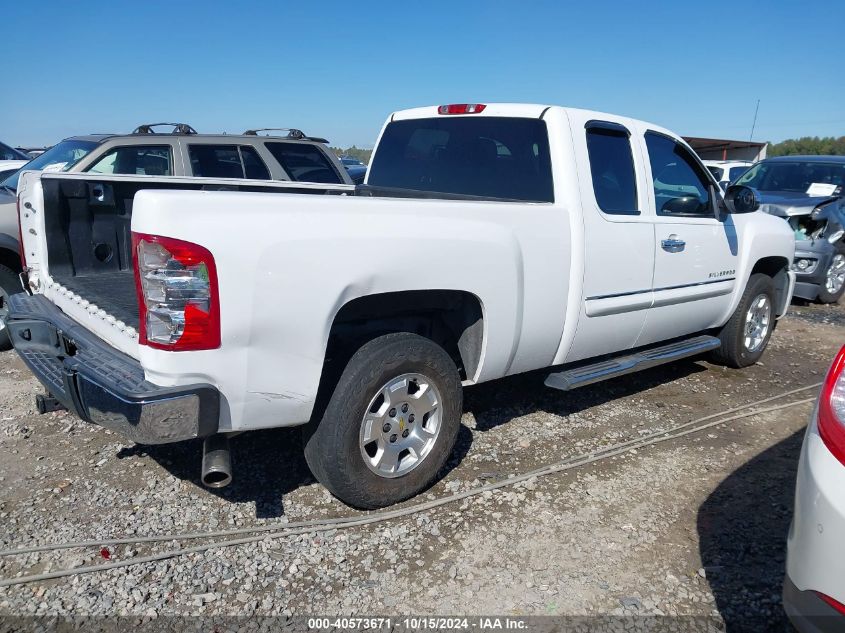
(337,69)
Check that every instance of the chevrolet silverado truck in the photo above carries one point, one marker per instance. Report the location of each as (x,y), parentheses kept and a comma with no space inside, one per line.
(488,240)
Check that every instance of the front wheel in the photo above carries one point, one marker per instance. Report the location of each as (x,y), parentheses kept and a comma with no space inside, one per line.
(746,335)
(390,424)
(833,286)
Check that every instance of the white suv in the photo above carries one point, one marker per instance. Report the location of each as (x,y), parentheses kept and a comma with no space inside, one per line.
(726,171)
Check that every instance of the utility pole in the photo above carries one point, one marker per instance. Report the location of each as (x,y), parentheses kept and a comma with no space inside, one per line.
(754,124)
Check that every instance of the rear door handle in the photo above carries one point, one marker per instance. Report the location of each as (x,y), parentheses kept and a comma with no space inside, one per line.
(673,244)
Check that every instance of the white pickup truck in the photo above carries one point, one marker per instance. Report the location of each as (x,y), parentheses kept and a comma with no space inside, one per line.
(488,240)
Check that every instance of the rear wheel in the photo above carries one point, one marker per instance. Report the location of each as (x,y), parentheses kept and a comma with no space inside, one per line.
(9,285)
(833,286)
(746,335)
(390,424)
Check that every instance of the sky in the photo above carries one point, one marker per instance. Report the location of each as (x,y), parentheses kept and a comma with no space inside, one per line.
(338,69)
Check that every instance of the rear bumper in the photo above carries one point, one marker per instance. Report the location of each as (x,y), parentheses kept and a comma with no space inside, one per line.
(815,559)
(809,613)
(102,385)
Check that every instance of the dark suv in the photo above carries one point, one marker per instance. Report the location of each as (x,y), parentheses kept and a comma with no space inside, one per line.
(809,193)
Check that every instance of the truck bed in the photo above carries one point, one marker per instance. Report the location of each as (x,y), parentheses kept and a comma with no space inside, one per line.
(88,231)
(113,291)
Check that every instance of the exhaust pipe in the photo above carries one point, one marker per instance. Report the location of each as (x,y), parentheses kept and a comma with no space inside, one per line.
(216,461)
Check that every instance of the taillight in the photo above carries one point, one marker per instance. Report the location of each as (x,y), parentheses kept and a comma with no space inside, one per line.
(832,408)
(461,108)
(21,250)
(833,603)
(178,299)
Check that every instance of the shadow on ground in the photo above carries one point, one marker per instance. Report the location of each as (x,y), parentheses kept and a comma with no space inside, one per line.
(269,464)
(500,401)
(266,466)
(742,528)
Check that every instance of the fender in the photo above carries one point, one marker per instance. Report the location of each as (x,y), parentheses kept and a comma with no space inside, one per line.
(761,236)
(833,212)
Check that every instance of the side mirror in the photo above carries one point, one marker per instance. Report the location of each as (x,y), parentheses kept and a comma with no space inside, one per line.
(741,199)
(683,205)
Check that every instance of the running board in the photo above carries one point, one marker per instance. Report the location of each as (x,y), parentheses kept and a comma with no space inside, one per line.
(621,365)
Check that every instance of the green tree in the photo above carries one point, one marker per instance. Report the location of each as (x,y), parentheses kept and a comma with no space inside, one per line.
(826,145)
(355,152)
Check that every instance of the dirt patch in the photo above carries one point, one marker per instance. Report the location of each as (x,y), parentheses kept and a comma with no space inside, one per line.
(695,526)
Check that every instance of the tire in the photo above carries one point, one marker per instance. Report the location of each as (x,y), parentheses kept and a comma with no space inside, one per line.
(833,287)
(9,284)
(741,348)
(360,435)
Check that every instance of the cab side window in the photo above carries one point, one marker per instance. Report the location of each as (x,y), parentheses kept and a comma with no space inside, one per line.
(139,160)
(612,168)
(680,186)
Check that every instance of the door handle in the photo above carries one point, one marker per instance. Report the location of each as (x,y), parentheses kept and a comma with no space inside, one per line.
(673,244)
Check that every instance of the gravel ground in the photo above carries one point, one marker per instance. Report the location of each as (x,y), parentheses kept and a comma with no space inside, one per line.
(693,526)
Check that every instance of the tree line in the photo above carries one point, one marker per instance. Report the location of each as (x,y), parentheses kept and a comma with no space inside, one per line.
(826,145)
(355,152)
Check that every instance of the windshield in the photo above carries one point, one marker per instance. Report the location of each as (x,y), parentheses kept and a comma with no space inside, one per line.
(736,172)
(797,176)
(716,171)
(10,153)
(66,152)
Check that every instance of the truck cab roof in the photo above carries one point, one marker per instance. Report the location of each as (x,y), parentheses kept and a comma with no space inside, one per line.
(521,110)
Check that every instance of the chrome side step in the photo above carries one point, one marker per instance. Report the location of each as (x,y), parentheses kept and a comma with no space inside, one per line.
(631,362)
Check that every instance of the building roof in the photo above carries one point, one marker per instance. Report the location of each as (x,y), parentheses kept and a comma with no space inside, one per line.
(700,144)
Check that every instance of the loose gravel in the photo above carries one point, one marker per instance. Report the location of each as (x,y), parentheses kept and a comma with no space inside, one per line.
(695,526)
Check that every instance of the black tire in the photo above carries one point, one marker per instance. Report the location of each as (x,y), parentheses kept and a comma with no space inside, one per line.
(10,284)
(333,449)
(826,296)
(734,352)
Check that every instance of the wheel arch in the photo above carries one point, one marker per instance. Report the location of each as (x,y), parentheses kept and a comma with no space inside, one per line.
(776,267)
(454,319)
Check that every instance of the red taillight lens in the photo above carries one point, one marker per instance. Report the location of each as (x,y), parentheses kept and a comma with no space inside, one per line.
(832,408)
(21,249)
(833,603)
(178,299)
(461,108)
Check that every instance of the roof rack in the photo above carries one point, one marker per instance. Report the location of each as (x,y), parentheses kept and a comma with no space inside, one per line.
(292,133)
(178,128)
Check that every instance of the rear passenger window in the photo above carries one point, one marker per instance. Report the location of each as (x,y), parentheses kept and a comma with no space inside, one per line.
(138,160)
(304,162)
(227,161)
(612,168)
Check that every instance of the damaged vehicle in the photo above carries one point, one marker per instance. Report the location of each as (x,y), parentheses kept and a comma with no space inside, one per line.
(489,240)
(809,193)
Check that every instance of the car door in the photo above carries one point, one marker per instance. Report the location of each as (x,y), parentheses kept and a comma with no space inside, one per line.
(618,237)
(696,250)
